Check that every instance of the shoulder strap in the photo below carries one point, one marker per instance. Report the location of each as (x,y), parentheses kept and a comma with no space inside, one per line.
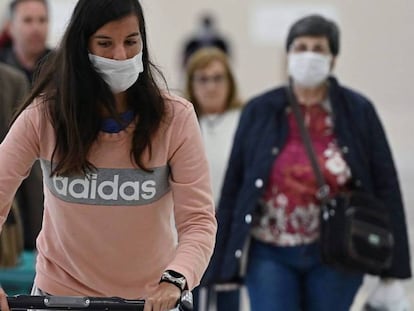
(323,191)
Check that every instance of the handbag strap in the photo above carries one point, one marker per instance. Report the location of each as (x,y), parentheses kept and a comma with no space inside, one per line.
(323,188)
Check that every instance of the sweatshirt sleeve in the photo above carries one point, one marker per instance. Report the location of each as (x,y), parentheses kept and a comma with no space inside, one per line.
(193,201)
(18,151)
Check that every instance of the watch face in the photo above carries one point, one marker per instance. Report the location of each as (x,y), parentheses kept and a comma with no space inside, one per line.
(179,281)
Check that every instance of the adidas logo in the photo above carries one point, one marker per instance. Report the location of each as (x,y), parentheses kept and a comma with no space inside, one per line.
(109,190)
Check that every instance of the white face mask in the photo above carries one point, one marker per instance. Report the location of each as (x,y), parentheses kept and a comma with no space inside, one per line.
(118,74)
(309,69)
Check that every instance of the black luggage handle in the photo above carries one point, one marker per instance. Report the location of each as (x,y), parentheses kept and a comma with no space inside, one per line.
(24,302)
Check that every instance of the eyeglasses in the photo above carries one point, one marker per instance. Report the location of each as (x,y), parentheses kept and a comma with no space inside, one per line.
(302,47)
(215,79)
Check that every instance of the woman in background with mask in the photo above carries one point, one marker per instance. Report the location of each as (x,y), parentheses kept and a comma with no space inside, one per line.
(119,158)
(269,192)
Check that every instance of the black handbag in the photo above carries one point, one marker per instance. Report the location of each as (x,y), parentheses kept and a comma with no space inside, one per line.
(355,227)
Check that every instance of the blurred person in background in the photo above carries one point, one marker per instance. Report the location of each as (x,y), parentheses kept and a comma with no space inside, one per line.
(27,30)
(206,35)
(5,39)
(269,192)
(14,87)
(211,87)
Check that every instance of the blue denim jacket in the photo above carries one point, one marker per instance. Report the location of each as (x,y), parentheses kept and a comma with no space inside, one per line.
(262,133)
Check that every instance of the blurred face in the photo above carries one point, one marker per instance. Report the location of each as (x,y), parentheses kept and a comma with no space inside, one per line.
(29,27)
(118,40)
(211,87)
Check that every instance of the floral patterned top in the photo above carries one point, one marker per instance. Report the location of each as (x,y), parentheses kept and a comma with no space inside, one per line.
(289,211)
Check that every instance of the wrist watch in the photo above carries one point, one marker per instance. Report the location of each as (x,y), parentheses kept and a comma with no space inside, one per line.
(174,278)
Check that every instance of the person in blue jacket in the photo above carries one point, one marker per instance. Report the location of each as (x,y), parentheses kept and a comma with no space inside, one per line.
(268,197)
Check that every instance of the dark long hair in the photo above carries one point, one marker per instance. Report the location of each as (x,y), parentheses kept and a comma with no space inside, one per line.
(74,94)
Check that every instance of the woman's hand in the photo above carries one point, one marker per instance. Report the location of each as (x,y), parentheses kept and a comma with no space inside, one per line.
(4,306)
(164,298)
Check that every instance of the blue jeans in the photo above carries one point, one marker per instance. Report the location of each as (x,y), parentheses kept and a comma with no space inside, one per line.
(293,279)
(224,300)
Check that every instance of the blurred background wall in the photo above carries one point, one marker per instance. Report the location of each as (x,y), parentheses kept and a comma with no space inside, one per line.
(376,57)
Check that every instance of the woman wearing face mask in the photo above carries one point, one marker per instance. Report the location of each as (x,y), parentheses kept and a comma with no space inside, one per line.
(119,158)
(268,196)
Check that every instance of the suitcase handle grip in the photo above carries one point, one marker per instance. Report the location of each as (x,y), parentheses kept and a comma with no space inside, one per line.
(24,302)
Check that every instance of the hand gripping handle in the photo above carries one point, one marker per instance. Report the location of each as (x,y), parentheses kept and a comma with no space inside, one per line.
(24,302)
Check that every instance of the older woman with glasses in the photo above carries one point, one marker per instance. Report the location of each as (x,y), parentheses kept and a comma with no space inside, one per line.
(211,87)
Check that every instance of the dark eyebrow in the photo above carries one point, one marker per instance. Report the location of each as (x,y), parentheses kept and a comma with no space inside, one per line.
(107,37)
(133,34)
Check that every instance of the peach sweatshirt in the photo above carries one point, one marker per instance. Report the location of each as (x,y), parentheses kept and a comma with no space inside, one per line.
(110,233)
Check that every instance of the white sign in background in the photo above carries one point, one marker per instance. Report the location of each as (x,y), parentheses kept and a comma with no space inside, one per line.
(270,23)
(60,13)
